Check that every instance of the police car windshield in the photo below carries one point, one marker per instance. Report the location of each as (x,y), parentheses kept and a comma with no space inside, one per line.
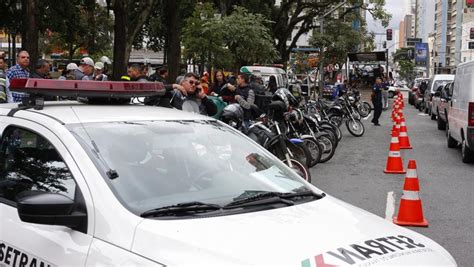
(163,163)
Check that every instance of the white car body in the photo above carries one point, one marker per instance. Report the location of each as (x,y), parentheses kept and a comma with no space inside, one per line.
(265,72)
(458,113)
(324,231)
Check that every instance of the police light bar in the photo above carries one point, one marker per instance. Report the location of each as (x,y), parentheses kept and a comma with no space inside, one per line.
(47,87)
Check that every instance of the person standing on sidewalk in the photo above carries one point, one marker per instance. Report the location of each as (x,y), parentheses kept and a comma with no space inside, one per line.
(377,101)
(19,71)
(385,85)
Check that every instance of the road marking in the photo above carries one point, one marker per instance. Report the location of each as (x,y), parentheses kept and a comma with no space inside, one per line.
(366,118)
(390,209)
(422,114)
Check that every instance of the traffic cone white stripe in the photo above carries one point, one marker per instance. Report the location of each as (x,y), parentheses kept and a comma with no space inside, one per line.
(410,195)
(403,134)
(411,173)
(394,154)
(394,140)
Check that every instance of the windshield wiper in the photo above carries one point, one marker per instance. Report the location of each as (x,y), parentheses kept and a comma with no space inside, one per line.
(184,208)
(263,198)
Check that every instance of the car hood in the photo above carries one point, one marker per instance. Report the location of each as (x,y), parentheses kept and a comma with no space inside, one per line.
(326,232)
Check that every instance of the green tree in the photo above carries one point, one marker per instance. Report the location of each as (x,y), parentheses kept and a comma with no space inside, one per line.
(247,37)
(340,37)
(303,16)
(203,38)
(11,20)
(240,38)
(406,69)
(129,17)
(77,24)
(162,31)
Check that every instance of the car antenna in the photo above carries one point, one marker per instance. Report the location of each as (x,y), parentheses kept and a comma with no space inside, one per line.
(111,173)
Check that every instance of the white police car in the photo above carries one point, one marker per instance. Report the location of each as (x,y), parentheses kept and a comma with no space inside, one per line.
(146,186)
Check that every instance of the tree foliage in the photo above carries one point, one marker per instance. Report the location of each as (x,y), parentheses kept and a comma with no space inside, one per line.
(240,38)
(340,37)
(406,69)
(77,24)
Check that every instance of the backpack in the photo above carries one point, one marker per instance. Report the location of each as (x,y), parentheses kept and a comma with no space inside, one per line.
(3,87)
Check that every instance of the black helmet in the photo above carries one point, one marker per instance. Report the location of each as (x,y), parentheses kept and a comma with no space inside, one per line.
(233,115)
(282,95)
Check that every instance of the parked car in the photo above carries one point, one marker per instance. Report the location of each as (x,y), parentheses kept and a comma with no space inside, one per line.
(435,83)
(461,112)
(265,72)
(134,185)
(397,87)
(440,104)
(420,94)
(413,93)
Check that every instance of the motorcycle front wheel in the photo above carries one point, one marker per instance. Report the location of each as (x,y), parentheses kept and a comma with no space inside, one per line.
(355,127)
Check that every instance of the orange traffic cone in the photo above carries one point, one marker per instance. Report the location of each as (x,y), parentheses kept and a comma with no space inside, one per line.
(411,211)
(394,160)
(403,137)
(396,124)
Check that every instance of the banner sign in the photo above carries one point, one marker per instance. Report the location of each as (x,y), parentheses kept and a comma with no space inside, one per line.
(421,53)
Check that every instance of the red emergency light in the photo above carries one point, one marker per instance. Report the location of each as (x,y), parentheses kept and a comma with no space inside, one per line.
(45,87)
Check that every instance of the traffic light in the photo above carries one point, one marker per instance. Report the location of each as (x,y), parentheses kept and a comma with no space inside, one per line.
(471,33)
(389,34)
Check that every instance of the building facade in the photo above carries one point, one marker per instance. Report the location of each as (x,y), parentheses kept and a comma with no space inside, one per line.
(425,19)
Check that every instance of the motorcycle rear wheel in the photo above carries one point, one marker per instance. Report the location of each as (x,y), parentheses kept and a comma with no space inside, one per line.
(300,169)
(329,149)
(314,149)
(364,109)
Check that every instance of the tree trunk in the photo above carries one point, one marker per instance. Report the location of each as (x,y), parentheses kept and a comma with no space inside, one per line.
(31,33)
(71,51)
(120,33)
(13,54)
(174,38)
(126,29)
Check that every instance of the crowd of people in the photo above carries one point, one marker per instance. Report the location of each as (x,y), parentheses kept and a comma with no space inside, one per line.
(189,92)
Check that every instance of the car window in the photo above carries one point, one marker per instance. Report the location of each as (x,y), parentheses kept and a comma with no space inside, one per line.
(438,83)
(162,163)
(30,162)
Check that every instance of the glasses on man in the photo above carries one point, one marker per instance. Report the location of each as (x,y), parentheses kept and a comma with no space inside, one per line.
(191,82)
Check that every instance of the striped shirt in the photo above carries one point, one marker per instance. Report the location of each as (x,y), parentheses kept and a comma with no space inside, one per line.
(17,72)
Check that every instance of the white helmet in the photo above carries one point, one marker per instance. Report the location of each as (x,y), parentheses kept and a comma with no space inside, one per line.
(105,60)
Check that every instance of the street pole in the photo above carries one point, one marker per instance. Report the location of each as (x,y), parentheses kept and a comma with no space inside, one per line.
(321,58)
(386,63)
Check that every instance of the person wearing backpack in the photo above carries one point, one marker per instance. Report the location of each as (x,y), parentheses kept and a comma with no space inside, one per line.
(3,81)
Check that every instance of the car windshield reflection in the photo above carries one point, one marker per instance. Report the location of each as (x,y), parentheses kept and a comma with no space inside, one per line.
(162,163)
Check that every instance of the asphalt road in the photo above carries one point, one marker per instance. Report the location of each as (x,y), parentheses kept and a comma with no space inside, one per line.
(355,175)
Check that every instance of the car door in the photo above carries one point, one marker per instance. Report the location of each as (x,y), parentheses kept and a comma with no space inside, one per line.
(33,158)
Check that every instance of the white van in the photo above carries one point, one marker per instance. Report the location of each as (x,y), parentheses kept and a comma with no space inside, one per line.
(461,112)
(265,72)
(435,82)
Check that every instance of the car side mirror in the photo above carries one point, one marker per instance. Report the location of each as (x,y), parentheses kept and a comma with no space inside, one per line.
(49,208)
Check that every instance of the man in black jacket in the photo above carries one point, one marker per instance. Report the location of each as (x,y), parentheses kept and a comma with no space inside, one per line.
(41,70)
(196,100)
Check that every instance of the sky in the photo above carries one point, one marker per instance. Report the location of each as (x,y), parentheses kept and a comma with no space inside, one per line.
(398,9)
